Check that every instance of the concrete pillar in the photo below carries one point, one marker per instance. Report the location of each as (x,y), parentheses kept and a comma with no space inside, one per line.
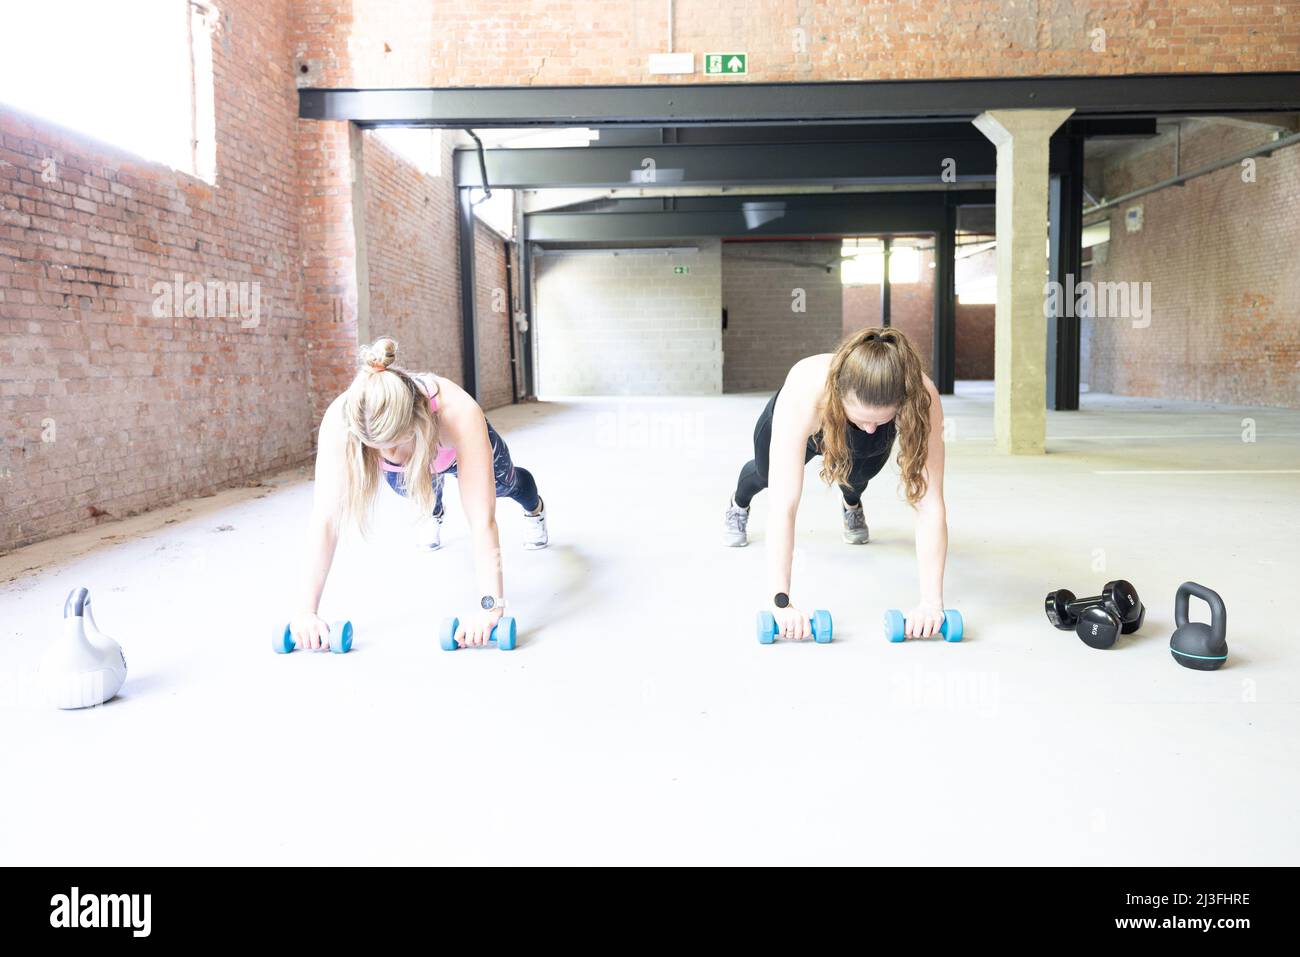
(1020,332)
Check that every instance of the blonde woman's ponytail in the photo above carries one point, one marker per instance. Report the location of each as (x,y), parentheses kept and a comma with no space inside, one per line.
(385,406)
(379,355)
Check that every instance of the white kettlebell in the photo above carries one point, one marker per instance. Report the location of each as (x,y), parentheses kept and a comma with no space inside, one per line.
(84,667)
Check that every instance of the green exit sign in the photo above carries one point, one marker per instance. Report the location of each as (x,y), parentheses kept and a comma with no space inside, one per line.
(682,270)
(726,64)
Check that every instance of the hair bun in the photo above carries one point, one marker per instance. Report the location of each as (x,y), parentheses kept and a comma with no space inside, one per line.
(379,355)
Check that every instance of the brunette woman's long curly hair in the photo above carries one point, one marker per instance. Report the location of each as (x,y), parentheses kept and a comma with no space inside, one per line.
(880,367)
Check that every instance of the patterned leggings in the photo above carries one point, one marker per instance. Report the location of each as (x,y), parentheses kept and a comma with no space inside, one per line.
(512,481)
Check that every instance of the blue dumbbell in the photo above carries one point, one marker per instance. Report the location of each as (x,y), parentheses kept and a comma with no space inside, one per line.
(821,627)
(951,629)
(340,638)
(503,633)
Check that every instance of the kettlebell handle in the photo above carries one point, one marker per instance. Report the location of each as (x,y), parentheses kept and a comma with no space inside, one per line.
(74,606)
(1218,614)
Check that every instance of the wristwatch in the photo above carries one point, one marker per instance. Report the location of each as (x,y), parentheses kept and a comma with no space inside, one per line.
(781,600)
(488,603)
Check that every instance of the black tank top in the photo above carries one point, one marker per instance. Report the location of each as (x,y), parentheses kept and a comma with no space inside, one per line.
(862,444)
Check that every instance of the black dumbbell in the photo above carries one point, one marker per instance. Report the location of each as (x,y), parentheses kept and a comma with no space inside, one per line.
(1097,620)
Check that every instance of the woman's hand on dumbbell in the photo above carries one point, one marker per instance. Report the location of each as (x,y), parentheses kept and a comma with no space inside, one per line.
(310,631)
(476,631)
(791,623)
(925,620)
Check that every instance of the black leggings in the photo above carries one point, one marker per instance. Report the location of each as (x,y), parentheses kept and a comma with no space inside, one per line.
(870,452)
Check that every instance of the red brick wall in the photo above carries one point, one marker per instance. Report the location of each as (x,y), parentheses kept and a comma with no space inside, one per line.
(1220,255)
(413,259)
(911,310)
(492,310)
(974,342)
(541,42)
(328,251)
(148,410)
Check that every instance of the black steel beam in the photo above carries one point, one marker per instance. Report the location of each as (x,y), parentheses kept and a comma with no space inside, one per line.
(469,328)
(1117,128)
(944,360)
(799,133)
(1065,266)
(670,225)
(730,202)
(788,164)
(799,216)
(718,104)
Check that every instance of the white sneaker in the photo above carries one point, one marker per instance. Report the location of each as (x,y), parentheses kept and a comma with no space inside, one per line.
(855,525)
(737,521)
(428,533)
(535,535)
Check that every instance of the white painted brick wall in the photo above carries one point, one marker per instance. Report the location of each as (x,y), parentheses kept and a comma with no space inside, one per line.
(626,324)
(764,336)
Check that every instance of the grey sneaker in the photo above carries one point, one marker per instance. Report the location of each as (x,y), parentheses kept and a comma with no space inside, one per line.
(535,536)
(855,526)
(428,533)
(737,519)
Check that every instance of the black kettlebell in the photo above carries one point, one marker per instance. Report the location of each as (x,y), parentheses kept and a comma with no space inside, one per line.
(1195,644)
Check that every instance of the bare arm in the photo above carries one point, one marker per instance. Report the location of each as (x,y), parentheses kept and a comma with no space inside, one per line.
(931,530)
(322,528)
(463,425)
(793,420)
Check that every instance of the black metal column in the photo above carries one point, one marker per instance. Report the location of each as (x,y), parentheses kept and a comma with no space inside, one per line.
(1065,266)
(944,373)
(525,294)
(884,281)
(508,256)
(469,328)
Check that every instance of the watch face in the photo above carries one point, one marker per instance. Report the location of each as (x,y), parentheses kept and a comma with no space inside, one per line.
(488,603)
(782,600)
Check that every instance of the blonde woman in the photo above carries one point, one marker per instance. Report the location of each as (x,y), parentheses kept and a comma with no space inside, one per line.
(849,407)
(411,430)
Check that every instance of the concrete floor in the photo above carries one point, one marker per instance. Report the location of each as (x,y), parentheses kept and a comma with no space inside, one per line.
(640,721)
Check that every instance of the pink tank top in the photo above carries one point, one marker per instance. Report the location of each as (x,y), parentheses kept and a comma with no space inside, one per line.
(445,458)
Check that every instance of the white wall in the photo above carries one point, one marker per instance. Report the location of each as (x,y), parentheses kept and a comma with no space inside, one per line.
(624,323)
